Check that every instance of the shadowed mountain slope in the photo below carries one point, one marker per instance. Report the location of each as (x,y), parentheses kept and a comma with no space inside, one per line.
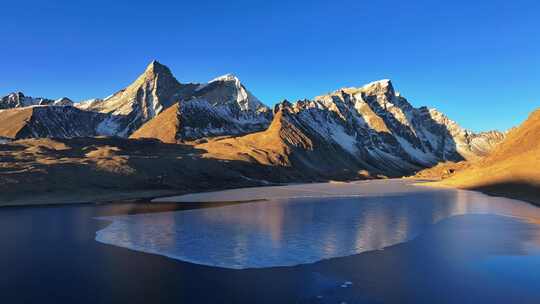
(49,121)
(43,170)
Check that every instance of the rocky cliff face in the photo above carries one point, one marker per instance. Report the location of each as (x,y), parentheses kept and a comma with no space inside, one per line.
(152,92)
(19,100)
(375,124)
(291,142)
(367,129)
(221,107)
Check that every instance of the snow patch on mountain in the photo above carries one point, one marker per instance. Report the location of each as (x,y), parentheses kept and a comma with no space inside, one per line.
(226,77)
(202,118)
(343,139)
(110,126)
(372,124)
(19,100)
(156,89)
(379,126)
(231,90)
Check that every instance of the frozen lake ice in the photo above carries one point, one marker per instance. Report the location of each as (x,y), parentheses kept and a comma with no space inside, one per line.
(299,224)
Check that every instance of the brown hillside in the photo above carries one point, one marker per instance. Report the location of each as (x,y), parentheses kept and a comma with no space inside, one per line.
(99,169)
(512,169)
(270,147)
(164,127)
(442,170)
(287,143)
(13,121)
(522,140)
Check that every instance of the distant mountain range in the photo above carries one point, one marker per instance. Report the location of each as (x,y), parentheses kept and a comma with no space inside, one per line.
(366,131)
(18,100)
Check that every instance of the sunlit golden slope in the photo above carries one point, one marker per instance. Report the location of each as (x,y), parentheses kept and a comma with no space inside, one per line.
(512,169)
(164,127)
(14,121)
(287,143)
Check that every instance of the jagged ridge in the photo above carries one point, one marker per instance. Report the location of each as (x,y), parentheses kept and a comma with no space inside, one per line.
(19,100)
(369,128)
(221,107)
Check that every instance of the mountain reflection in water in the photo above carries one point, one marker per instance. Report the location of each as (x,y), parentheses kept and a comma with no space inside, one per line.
(288,232)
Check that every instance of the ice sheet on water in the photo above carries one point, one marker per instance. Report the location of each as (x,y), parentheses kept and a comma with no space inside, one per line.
(289,232)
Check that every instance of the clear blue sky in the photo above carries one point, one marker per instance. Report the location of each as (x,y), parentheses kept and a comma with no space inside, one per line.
(477,61)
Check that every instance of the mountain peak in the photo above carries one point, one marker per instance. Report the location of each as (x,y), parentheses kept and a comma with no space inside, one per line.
(283,105)
(16,94)
(64,101)
(157,71)
(155,68)
(226,77)
(382,86)
(382,83)
(153,91)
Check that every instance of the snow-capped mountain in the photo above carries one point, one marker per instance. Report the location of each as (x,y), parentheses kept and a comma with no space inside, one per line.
(152,92)
(49,121)
(19,100)
(222,106)
(64,101)
(228,90)
(289,143)
(370,128)
(198,118)
(379,127)
(366,131)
